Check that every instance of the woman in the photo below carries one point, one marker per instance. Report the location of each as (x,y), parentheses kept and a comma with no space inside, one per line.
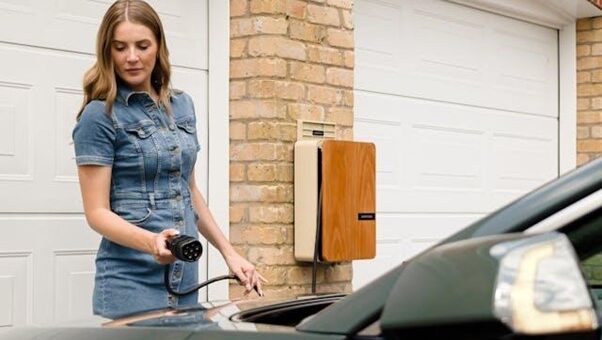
(136,145)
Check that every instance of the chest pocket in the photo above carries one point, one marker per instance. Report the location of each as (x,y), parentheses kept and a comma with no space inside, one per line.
(187,134)
(141,136)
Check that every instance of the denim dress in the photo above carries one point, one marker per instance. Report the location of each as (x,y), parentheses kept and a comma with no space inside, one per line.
(152,155)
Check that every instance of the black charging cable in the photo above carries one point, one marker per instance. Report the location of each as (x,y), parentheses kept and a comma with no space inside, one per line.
(194,288)
(189,249)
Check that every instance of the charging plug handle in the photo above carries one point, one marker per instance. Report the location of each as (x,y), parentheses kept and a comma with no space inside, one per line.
(185,248)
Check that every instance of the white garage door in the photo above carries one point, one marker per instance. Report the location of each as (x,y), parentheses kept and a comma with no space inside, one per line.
(46,249)
(463,107)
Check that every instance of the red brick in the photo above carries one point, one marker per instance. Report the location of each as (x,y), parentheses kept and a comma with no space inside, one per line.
(585,90)
(253,152)
(237,213)
(307,72)
(584,24)
(267,67)
(263,46)
(271,255)
(267,6)
(237,172)
(339,77)
(307,32)
(238,131)
(347,4)
(324,95)
(241,109)
(347,19)
(257,25)
(324,55)
(238,89)
(323,15)
(588,63)
(340,38)
(589,145)
(589,117)
(238,8)
(296,9)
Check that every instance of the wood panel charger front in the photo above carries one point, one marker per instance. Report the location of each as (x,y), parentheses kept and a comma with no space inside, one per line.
(349,202)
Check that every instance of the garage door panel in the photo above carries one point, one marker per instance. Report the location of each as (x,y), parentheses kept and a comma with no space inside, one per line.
(74,272)
(44,109)
(532,162)
(186,29)
(445,157)
(52,275)
(16,147)
(457,54)
(15,287)
(71,25)
(526,60)
(387,139)
(444,45)
(438,157)
(380,26)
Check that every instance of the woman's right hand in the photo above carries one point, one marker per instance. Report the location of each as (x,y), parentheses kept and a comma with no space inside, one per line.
(160,251)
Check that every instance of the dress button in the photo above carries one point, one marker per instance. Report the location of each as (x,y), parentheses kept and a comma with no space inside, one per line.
(171,126)
(179,197)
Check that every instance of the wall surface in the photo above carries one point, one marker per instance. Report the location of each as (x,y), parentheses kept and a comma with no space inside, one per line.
(289,60)
(589,89)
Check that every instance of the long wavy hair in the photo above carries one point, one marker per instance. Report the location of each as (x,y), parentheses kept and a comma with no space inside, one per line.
(100,81)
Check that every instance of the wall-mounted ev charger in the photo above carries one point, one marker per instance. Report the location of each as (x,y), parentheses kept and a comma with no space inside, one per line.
(335,201)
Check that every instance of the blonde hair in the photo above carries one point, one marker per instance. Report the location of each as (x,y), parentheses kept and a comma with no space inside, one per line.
(100,81)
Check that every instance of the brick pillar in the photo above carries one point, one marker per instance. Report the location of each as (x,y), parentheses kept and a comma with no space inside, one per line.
(589,89)
(289,60)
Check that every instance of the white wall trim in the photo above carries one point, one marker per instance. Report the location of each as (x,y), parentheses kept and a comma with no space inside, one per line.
(218,136)
(567,98)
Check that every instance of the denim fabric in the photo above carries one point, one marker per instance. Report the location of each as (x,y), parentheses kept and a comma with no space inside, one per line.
(152,155)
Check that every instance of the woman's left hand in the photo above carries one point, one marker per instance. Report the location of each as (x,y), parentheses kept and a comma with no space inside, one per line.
(246,273)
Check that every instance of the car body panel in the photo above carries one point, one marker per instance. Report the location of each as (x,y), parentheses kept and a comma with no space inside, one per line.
(154,333)
(451,284)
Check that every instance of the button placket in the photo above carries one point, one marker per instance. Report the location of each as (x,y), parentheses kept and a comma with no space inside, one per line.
(175,180)
(172,300)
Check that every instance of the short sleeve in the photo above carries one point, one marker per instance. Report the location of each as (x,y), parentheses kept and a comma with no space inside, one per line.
(94,136)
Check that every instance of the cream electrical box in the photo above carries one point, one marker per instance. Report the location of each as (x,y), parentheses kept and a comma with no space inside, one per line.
(343,174)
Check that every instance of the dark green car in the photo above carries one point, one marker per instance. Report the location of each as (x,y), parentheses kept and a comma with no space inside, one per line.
(533,269)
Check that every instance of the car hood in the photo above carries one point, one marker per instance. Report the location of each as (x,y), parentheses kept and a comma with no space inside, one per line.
(218,315)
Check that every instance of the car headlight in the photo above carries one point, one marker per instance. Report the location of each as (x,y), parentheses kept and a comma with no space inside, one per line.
(540,288)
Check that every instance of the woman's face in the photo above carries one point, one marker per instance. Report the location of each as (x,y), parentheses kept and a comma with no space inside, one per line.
(134,52)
